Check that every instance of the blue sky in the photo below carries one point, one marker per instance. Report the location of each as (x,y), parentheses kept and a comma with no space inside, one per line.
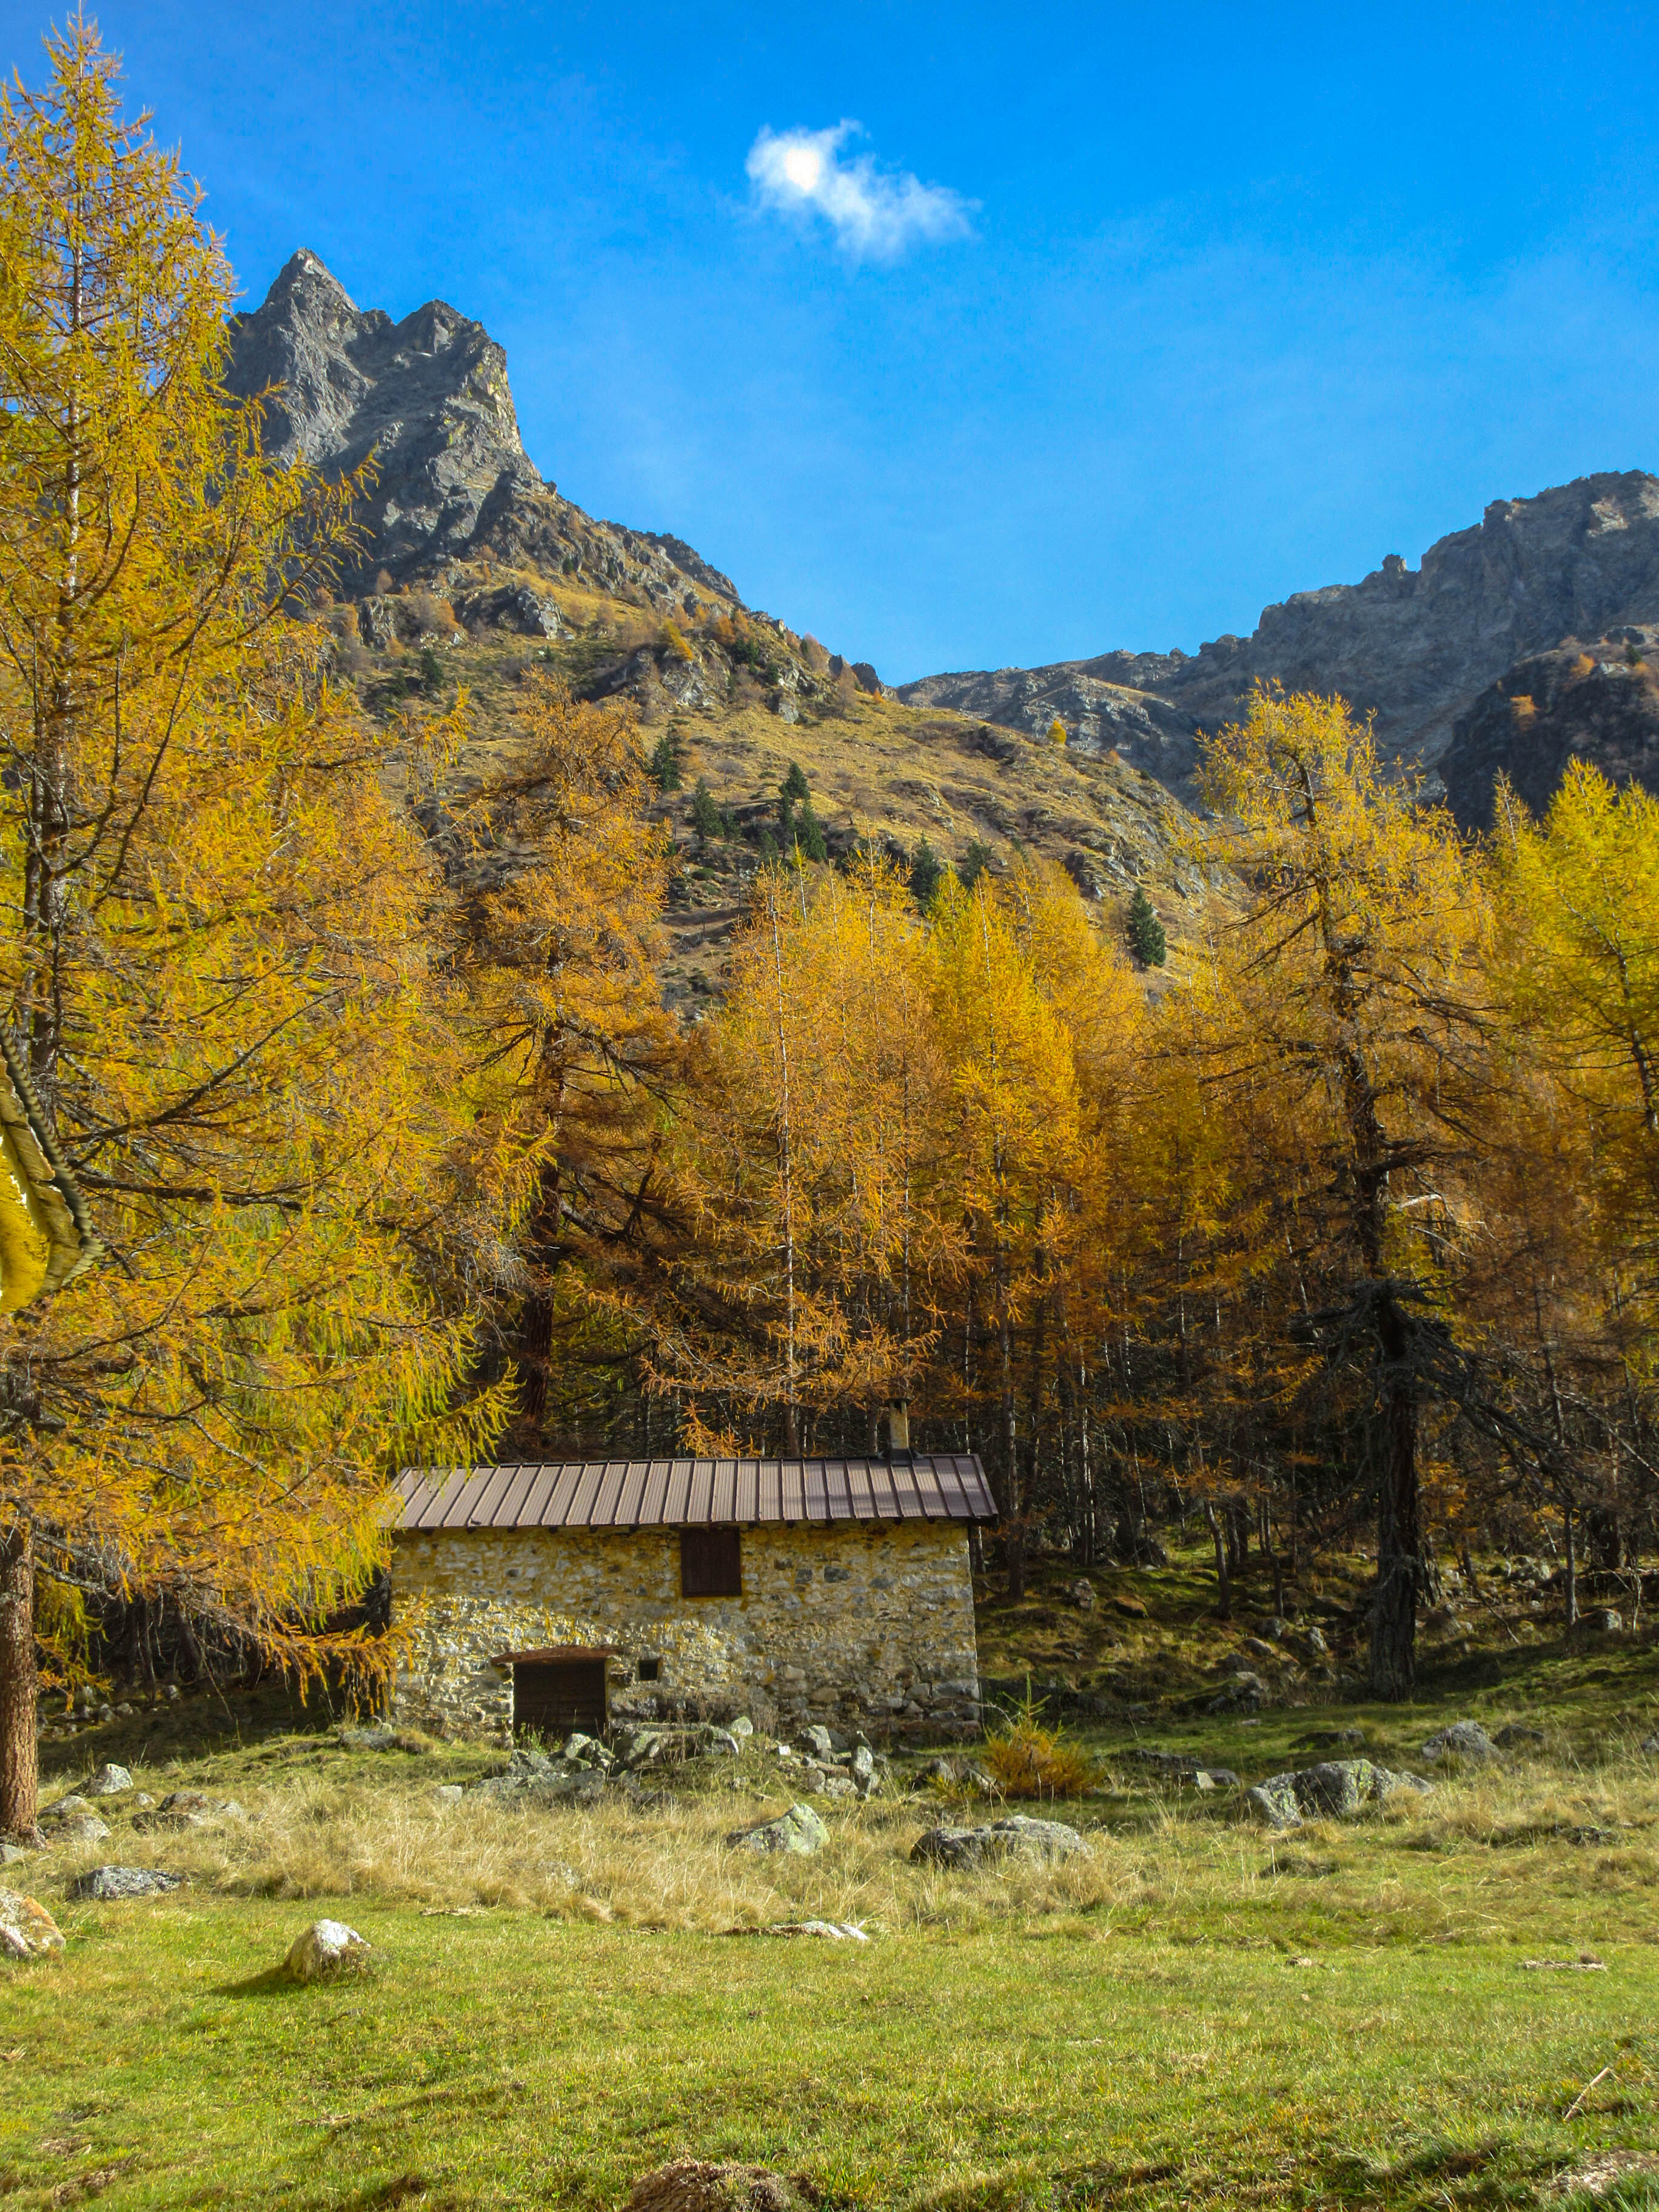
(1183,309)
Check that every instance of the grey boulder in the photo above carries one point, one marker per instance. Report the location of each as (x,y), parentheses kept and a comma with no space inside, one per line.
(1462,1740)
(799,1830)
(368,1739)
(72,1821)
(1335,1790)
(109,1781)
(105,1883)
(972,1847)
(816,1741)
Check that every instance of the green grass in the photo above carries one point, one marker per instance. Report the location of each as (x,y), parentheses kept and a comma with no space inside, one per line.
(517,2060)
(1201,2015)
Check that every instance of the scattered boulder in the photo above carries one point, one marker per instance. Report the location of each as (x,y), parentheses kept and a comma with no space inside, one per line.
(1258,1648)
(691,2185)
(1312,1642)
(723,1743)
(816,1739)
(324,1949)
(1462,1740)
(743,1727)
(105,1883)
(1082,1593)
(12,1854)
(376,1738)
(189,1808)
(109,1781)
(1334,1790)
(28,1930)
(865,1778)
(1601,1620)
(581,1750)
(1651,1743)
(972,1847)
(72,1821)
(1275,1626)
(825,1782)
(448,1793)
(1244,1693)
(799,1830)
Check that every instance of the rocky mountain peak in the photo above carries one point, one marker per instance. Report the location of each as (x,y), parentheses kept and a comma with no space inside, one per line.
(429,400)
(1416,647)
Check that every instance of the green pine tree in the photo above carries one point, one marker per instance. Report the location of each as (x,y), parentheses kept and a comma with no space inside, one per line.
(1145,931)
(665,766)
(927,874)
(795,784)
(705,814)
(809,834)
(975,861)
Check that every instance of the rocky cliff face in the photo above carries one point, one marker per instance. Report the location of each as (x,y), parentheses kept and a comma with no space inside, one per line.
(429,400)
(1417,646)
(1598,703)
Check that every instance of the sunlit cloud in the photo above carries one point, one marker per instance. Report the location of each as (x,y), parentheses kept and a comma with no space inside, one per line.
(874,213)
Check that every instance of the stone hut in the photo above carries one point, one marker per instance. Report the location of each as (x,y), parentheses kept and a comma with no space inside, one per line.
(567,1594)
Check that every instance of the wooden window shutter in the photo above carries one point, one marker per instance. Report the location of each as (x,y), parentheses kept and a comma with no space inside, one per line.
(711,1563)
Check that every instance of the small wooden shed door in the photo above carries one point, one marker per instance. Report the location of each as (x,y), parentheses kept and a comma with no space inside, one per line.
(553,1695)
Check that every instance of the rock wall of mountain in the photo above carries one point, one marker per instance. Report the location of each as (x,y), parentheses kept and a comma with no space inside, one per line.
(1598,702)
(429,401)
(1415,647)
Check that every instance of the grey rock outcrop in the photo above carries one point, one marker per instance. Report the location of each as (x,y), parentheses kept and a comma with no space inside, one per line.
(798,1832)
(1597,702)
(105,1883)
(1462,1740)
(429,401)
(109,1781)
(1417,646)
(972,1847)
(1335,1790)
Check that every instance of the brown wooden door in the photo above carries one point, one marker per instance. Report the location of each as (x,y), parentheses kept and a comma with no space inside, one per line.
(553,1695)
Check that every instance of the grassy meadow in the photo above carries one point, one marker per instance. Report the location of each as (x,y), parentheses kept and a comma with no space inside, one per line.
(1453,2002)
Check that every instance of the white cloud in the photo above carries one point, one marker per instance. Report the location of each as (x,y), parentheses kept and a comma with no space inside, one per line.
(871,213)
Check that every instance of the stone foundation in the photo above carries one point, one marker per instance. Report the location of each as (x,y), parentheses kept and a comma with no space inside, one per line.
(863,1624)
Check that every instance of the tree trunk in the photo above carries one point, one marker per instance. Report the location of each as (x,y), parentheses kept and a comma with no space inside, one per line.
(1398,1566)
(1224,1588)
(1572,1564)
(20,1770)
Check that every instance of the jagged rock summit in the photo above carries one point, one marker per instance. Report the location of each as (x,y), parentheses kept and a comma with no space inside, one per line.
(428,400)
(1417,646)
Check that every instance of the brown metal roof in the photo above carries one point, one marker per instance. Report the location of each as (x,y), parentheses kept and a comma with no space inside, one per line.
(677,1493)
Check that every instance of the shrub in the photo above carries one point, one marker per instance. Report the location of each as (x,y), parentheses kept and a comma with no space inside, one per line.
(1027,1759)
(1057,731)
(674,641)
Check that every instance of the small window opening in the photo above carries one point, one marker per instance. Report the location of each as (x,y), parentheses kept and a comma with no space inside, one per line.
(711,1563)
(650,1670)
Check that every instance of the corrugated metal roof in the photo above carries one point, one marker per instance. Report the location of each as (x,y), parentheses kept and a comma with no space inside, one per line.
(678,1493)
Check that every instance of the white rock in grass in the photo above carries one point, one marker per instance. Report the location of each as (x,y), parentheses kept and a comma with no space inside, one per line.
(109,1782)
(326,1948)
(28,1930)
